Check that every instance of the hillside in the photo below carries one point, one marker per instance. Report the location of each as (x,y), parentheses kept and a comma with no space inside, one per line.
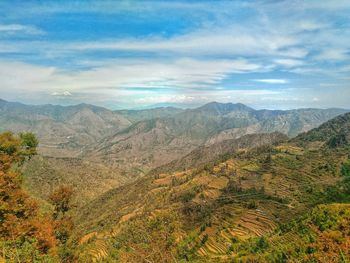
(321,235)
(148,144)
(62,130)
(147,137)
(214,214)
(206,154)
(43,175)
(218,201)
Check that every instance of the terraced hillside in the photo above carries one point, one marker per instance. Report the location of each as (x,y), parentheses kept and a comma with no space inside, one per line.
(216,213)
(321,235)
(231,146)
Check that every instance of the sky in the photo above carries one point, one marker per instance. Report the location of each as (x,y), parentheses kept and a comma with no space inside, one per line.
(134,54)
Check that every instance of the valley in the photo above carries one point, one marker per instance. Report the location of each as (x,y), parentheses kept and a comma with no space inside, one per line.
(219,212)
(218,183)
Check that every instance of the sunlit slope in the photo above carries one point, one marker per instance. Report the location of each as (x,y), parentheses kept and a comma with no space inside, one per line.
(42,175)
(205,214)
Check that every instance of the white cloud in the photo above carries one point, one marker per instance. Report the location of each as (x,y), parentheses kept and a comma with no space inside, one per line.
(308,25)
(289,62)
(113,75)
(64,93)
(18,28)
(333,54)
(233,40)
(295,52)
(197,97)
(272,81)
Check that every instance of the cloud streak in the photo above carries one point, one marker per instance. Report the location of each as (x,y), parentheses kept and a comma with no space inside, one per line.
(272,81)
(18,28)
(114,75)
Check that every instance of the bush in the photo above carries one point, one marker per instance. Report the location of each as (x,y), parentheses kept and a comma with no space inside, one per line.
(261,244)
(204,239)
(251,205)
(345,170)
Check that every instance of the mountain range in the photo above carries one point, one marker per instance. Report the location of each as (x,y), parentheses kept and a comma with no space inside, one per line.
(137,141)
(217,183)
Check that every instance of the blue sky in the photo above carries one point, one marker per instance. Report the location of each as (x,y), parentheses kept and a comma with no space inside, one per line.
(131,54)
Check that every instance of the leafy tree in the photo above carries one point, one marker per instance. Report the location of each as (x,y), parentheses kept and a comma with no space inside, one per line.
(63,224)
(61,200)
(29,142)
(337,140)
(261,244)
(9,145)
(22,228)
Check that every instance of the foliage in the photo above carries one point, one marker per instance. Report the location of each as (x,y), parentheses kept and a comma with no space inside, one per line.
(345,169)
(24,232)
(322,235)
(152,238)
(61,199)
(29,142)
(261,244)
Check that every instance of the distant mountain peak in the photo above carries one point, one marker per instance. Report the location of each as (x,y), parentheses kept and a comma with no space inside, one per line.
(222,108)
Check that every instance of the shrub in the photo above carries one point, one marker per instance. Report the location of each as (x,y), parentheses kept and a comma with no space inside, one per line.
(251,205)
(204,239)
(345,169)
(261,244)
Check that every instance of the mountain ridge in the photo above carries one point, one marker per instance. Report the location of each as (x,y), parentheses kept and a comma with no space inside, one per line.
(139,141)
(162,140)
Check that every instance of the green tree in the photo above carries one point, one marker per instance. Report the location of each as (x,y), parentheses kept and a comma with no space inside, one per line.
(345,169)
(29,142)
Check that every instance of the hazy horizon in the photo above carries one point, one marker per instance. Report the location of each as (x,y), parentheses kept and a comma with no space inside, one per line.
(164,105)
